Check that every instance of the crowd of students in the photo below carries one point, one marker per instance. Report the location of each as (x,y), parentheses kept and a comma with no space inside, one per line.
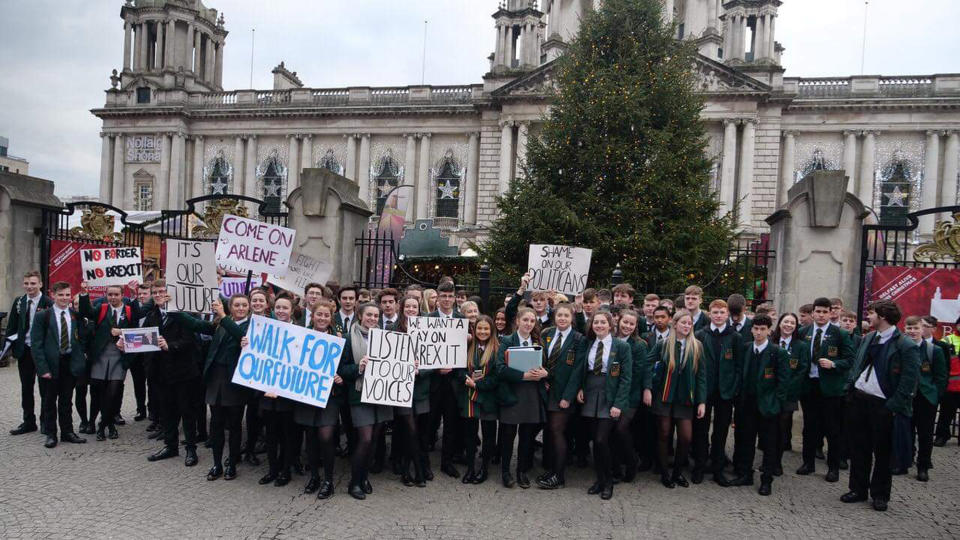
(638,383)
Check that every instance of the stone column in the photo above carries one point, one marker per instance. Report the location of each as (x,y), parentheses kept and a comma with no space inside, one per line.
(197,40)
(169,54)
(689,18)
(351,168)
(523,132)
(850,161)
(948,193)
(187,55)
(423,178)
(106,164)
(506,154)
(747,146)
(197,185)
(786,169)
(177,162)
(409,173)
(306,153)
(729,166)
(498,47)
(727,41)
(293,164)
(772,37)
(473,173)
(668,11)
(236,181)
(208,62)
(760,38)
(122,188)
(741,43)
(162,186)
(931,183)
(218,65)
(867,157)
(712,14)
(250,169)
(158,48)
(143,39)
(127,29)
(364,177)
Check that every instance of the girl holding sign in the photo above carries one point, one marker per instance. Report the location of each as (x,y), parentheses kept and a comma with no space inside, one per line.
(414,422)
(321,424)
(369,420)
(259,305)
(478,398)
(608,370)
(226,399)
(675,385)
(624,451)
(522,398)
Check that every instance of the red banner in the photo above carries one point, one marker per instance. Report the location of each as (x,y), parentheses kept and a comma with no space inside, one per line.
(921,291)
(65,266)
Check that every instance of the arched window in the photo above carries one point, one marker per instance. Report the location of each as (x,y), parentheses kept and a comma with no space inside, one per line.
(272,179)
(219,176)
(388,177)
(448,188)
(142,191)
(895,191)
(330,163)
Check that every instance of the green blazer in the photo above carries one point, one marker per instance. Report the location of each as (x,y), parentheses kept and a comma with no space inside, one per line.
(745,330)
(723,364)
(225,347)
(687,387)
(773,377)
(19,320)
(338,323)
(835,345)
(482,398)
(903,370)
(799,364)
(639,352)
(702,322)
(349,371)
(507,376)
(619,371)
(102,335)
(564,379)
(45,344)
(934,372)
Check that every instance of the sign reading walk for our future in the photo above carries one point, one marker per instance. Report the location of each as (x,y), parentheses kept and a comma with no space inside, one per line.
(191,274)
(289,361)
(251,245)
(558,268)
(110,266)
(439,342)
(388,377)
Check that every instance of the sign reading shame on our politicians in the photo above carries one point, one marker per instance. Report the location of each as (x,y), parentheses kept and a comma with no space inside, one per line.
(388,377)
(191,275)
(110,266)
(303,270)
(289,361)
(230,286)
(439,342)
(558,268)
(254,246)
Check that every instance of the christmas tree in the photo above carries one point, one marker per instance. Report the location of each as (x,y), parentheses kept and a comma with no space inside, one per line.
(620,164)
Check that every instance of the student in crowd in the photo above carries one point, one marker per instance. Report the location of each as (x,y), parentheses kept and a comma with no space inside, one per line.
(660,330)
(692,298)
(632,429)
(836,309)
(522,397)
(429,301)
(88,415)
(848,321)
(650,302)
(18,333)
(668,303)
(675,386)
(950,401)
(766,376)
(415,291)
(138,371)
(478,399)
(585,310)
(346,317)
(500,321)
(320,424)
(805,312)
(623,294)
(461,297)
(262,305)
(929,325)
(443,400)
(932,386)
(604,297)
(737,306)
(887,369)
(563,364)
(787,337)
(412,424)
(368,420)
(389,301)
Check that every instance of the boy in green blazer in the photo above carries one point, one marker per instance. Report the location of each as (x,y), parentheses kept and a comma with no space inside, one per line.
(933,384)
(18,333)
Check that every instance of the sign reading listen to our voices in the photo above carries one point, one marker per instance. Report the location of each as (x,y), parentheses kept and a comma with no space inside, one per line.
(110,266)
(440,343)
(388,377)
(254,246)
(289,361)
(191,275)
(302,271)
(558,268)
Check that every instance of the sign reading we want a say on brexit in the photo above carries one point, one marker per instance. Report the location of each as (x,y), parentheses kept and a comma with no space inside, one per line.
(261,248)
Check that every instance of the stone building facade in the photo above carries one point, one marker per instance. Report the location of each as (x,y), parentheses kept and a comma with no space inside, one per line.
(171,132)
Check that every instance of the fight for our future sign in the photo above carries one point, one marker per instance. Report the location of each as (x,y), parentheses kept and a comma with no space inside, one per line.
(254,246)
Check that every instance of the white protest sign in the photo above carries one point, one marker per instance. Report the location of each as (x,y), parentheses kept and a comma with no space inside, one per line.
(230,286)
(110,266)
(289,361)
(253,245)
(439,342)
(303,270)
(388,377)
(191,275)
(560,268)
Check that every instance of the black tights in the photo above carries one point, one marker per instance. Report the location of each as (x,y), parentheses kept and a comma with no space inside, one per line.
(80,397)
(684,436)
(321,447)
(508,432)
(624,451)
(280,439)
(410,439)
(366,435)
(226,418)
(107,393)
(488,429)
(556,428)
(602,427)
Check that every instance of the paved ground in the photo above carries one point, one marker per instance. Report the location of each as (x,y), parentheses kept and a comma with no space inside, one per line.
(109,490)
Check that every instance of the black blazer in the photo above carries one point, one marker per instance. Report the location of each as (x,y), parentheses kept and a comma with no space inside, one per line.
(20,319)
(180,361)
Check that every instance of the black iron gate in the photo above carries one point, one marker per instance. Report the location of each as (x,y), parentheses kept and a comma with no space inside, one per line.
(203,216)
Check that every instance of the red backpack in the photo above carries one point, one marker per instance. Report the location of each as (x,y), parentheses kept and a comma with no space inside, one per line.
(104,307)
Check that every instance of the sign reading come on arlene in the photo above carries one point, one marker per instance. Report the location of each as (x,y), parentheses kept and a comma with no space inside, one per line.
(558,268)
(110,266)
(254,246)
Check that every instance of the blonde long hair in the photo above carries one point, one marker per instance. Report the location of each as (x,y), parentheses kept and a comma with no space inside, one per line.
(692,344)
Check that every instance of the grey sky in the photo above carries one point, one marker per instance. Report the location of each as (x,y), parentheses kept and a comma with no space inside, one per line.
(58,55)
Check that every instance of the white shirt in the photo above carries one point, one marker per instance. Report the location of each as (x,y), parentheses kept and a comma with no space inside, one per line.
(57,311)
(696,316)
(815,364)
(714,327)
(115,313)
(592,356)
(929,340)
(32,304)
(561,335)
(785,342)
(661,336)
(737,325)
(447,315)
(868,382)
(886,334)
(392,321)
(307,316)
(344,317)
(757,349)
(525,341)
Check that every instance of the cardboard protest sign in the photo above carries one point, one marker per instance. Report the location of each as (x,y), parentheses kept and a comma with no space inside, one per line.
(388,377)
(141,340)
(303,269)
(439,342)
(253,245)
(110,266)
(191,275)
(560,268)
(289,361)
(230,286)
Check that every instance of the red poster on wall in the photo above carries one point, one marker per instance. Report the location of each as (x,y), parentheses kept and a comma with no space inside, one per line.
(65,266)
(921,291)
